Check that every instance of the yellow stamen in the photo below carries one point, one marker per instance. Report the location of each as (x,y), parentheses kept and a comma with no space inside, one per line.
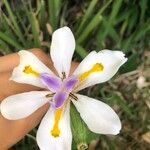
(56,131)
(29,70)
(96,68)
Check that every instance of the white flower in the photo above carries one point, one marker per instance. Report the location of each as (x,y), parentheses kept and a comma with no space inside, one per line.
(54,131)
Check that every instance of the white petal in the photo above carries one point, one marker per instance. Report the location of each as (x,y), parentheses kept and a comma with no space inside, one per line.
(99,117)
(44,138)
(62,49)
(111,61)
(29,59)
(22,105)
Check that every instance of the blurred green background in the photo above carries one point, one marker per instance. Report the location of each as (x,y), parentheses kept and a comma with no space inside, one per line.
(97,24)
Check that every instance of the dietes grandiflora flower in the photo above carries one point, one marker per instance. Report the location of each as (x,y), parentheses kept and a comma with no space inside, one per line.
(54,131)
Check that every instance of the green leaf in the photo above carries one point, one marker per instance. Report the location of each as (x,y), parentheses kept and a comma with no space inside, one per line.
(54,7)
(144,5)
(87,15)
(12,42)
(90,27)
(115,9)
(82,136)
(42,13)
(81,51)
(34,24)
(92,24)
(16,26)
(131,64)
(78,128)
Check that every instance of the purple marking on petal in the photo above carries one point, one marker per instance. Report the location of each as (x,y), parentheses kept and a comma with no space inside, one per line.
(69,83)
(59,98)
(52,82)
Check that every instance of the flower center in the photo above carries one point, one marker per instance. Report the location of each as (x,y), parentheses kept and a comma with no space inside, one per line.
(96,68)
(61,90)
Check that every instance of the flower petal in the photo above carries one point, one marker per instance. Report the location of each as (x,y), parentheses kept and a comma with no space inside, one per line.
(59,99)
(28,59)
(111,62)
(22,105)
(99,117)
(52,82)
(70,83)
(62,49)
(44,138)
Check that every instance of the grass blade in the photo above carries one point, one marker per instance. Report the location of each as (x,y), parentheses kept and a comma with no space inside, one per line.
(42,19)
(12,17)
(54,7)
(93,24)
(10,41)
(81,51)
(34,24)
(87,15)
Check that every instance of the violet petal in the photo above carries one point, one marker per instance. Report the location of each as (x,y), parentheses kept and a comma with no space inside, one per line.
(69,83)
(59,98)
(53,83)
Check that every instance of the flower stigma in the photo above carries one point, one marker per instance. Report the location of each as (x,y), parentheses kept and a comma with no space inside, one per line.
(56,131)
(96,68)
(28,70)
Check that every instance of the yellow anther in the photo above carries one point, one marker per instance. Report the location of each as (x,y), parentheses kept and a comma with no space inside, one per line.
(96,68)
(29,70)
(56,131)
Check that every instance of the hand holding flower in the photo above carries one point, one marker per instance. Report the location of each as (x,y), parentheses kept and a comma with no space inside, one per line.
(11,131)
